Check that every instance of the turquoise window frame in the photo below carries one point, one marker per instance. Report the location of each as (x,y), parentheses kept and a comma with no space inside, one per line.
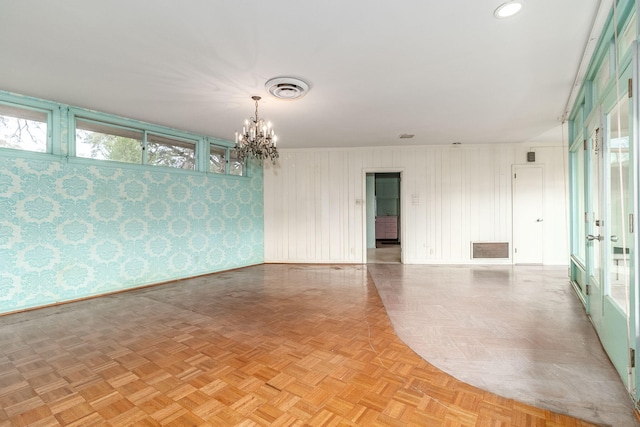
(211,145)
(61,137)
(133,125)
(203,144)
(594,100)
(577,185)
(196,144)
(52,112)
(73,142)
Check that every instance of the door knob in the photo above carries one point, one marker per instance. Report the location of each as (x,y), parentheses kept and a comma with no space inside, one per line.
(614,238)
(592,237)
(539,220)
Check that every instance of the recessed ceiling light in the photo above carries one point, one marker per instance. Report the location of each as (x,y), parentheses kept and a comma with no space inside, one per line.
(508,9)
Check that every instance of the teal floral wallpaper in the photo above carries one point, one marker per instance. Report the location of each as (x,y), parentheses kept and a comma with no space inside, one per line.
(71,229)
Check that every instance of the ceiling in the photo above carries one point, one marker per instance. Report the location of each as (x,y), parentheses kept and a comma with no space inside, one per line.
(446,71)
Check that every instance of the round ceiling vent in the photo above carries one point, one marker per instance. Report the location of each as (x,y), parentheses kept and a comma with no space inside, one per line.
(287,88)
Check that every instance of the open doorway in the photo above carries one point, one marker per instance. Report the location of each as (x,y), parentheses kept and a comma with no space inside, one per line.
(384,244)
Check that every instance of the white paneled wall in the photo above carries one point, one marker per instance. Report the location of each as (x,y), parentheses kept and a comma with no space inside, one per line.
(451,196)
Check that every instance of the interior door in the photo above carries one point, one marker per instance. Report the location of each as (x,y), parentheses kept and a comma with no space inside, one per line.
(528,222)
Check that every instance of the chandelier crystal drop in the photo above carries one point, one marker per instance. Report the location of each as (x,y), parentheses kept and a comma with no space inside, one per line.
(258,139)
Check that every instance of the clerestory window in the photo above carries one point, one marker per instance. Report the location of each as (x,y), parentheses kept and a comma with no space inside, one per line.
(23,128)
(217,159)
(105,141)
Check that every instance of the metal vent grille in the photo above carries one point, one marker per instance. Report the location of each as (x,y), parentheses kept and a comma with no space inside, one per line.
(287,88)
(489,250)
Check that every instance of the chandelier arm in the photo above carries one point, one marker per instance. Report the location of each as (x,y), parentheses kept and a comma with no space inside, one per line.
(257,139)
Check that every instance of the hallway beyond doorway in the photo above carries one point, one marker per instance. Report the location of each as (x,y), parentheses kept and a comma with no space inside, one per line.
(384,254)
(383,217)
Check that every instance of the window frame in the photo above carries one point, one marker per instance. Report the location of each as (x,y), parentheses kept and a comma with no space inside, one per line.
(210,147)
(243,162)
(145,149)
(61,137)
(74,144)
(52,113)
(202,144)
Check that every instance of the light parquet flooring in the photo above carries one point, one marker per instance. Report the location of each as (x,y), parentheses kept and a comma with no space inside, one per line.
(278,345)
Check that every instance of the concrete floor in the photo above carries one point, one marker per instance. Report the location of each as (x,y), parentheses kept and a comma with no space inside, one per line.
(389,254)
(516,331)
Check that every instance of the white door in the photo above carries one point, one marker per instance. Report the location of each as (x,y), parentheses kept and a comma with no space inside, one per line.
(528,221)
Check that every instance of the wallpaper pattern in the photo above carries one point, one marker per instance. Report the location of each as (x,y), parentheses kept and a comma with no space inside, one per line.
(71,230)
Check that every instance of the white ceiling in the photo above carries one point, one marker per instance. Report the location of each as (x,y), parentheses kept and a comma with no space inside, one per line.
(446,71)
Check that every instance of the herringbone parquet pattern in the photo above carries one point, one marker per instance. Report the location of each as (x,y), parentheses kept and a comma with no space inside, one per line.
(267,345)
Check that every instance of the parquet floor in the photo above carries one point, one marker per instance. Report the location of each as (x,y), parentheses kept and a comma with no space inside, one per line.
(278,345)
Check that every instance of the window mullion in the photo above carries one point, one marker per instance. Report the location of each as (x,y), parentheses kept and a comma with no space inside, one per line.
(202,154)
(145,156)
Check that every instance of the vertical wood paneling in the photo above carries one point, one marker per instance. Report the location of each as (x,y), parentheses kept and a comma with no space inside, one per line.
(463,194)
(457,199)
(291,226)
(499,194)
(310,202)
(481,184)
(359,211)
(445,204)
(274,210)
(415,204)
(303,207)
(337,213)
(350,246)
(325,207)
(432,207)
(437,203)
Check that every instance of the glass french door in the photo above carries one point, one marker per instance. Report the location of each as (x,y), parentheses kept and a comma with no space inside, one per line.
(619,207)
(595,226)
(605,203)
(579,217)
(610,239)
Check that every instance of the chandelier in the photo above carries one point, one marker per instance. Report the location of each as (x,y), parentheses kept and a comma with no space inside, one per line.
(257,139)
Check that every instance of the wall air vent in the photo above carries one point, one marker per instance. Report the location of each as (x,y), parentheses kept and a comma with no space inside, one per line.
(287,88)
(489,250)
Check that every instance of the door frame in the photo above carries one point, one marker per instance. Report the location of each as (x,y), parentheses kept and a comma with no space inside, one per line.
(634,297)
(578,186)
(606,316)
(513,186)
(399,171)
(595,205)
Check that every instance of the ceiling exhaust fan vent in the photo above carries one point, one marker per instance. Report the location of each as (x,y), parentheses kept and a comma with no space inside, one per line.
(287,88)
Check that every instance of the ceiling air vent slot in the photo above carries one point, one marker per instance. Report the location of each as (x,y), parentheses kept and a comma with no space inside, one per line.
(287,88)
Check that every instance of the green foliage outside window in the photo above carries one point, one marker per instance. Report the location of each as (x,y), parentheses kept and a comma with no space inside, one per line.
(97,145)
